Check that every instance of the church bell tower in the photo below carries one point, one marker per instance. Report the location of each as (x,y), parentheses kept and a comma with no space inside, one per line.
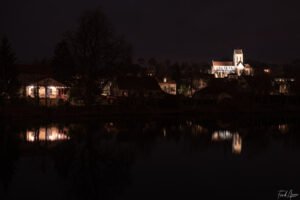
(238,57)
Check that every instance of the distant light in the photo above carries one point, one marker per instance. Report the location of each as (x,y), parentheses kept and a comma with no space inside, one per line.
(165,132)
(221,135)
(236,144)
(283,128)
(49,134)
(165,80)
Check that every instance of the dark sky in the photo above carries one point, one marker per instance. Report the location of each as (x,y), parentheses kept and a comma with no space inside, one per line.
(197,30)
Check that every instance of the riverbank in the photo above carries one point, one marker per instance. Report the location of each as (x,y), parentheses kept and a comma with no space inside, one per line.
(121,112)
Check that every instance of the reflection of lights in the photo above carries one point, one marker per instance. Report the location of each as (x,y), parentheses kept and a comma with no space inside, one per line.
(189,123)
(236,144)
(198,129)
(57,136)
(283,128)
(221,135)
(165,132)
(47,134)
(30,136)
(110,127)
(227,135)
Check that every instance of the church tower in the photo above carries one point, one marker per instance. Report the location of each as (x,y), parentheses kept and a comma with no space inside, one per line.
(238,57)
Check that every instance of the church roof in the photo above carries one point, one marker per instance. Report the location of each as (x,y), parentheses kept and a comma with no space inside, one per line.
(238,51)
(222,63)
(50,82)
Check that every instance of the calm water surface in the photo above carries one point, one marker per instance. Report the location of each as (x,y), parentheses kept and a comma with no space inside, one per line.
(149,159)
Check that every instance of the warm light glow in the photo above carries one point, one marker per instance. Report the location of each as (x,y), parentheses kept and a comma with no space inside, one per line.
(236,144)
(283,128)
(165,132)
(30,90)
(225,135)
(30,136)
(168,87)
(222,69)
(198,129)
(221,135)
(189,123)
(47,134)
(110,127)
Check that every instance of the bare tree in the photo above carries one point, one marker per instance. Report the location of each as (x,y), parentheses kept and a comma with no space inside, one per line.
(91,47)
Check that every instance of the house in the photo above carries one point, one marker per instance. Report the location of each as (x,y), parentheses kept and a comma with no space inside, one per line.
(37,83)
(168,86)
(47,134)
(222,69)
(189,85)
(201,81)
(282,86)
(130,86)
(47,90)
(248,70)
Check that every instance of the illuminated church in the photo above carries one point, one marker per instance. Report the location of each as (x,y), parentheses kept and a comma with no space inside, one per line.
(222,69)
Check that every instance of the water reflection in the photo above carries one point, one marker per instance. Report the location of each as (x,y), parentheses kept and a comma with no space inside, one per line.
(164,132)
(236,144)
(110,127)
(198,129)
(283,128)
(103,159)
(221,135)
(226,135)
(52,133)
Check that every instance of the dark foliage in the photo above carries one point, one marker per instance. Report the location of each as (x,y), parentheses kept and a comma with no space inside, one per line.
(8,72)
(85,52)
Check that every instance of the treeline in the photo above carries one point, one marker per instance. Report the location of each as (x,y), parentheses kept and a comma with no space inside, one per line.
(8,73)
(81,55)
(94,50)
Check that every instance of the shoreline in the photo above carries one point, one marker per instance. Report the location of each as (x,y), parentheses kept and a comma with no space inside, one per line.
(113,112)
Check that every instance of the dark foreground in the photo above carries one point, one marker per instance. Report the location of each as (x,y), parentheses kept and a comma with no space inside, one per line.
(149,158)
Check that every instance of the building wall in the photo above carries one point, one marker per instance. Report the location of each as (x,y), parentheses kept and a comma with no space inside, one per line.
(53,92)
(223,71)
(237,58)
(47,134)
(169,88)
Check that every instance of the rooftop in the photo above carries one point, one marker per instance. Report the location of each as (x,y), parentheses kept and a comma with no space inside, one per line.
(222,63)
(238,51)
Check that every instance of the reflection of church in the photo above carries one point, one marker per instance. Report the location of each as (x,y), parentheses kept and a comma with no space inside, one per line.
(222,69)
(226,135)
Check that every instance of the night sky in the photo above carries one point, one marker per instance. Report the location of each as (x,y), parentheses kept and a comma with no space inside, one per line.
(267,30)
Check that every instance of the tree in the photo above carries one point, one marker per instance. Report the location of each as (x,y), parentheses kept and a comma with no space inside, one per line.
(92,47)
(141,61)
(8,72)
(63,62)
(152,62)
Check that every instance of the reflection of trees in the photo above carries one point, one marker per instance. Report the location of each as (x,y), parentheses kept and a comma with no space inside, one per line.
(9,153)
(258,137)
(97,160)
(96,166)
